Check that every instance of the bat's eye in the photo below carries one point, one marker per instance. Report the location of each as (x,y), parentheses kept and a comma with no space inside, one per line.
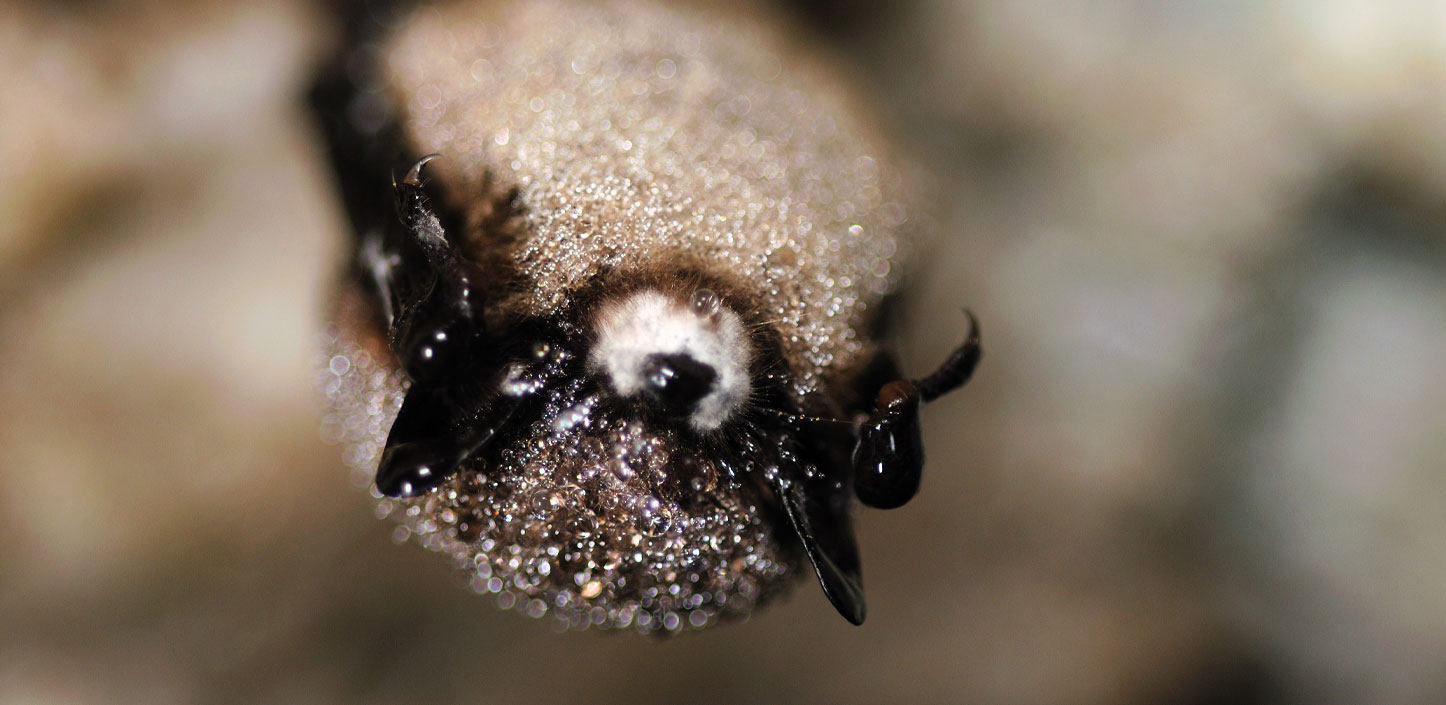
(677,381)
(690,357)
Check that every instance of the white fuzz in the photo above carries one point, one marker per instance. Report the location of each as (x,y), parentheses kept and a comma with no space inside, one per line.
(633,327)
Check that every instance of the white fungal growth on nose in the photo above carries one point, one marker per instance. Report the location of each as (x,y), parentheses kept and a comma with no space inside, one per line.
(633,327)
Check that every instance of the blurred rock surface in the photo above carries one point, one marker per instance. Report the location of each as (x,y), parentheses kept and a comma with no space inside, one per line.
(1202,461)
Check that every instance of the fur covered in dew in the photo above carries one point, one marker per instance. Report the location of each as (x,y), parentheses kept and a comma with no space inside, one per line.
(666,150)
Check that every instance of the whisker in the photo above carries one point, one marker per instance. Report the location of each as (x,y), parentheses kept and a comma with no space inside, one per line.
(803,417)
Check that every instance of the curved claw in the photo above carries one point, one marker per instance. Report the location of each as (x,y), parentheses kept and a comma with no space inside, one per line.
(888,456)
(414,175)
(957,369)
(419,218)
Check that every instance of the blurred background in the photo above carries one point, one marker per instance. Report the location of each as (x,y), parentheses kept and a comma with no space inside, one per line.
(1201,463)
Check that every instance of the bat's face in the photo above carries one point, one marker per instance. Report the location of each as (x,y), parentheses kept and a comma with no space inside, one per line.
(613,464)
(619,369)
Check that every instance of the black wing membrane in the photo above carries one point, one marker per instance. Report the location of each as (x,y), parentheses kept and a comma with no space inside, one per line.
(817,507)
(362,147)
(357,121)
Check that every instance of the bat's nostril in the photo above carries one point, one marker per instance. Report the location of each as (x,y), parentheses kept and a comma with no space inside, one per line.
(677,380)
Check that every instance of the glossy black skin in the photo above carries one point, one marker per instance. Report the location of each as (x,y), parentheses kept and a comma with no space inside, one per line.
(426,294)
(888,457)
(887,465)
(473,379)
(442,423)
(677,382)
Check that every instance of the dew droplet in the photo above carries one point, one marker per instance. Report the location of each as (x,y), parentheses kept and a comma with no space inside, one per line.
(705,302)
